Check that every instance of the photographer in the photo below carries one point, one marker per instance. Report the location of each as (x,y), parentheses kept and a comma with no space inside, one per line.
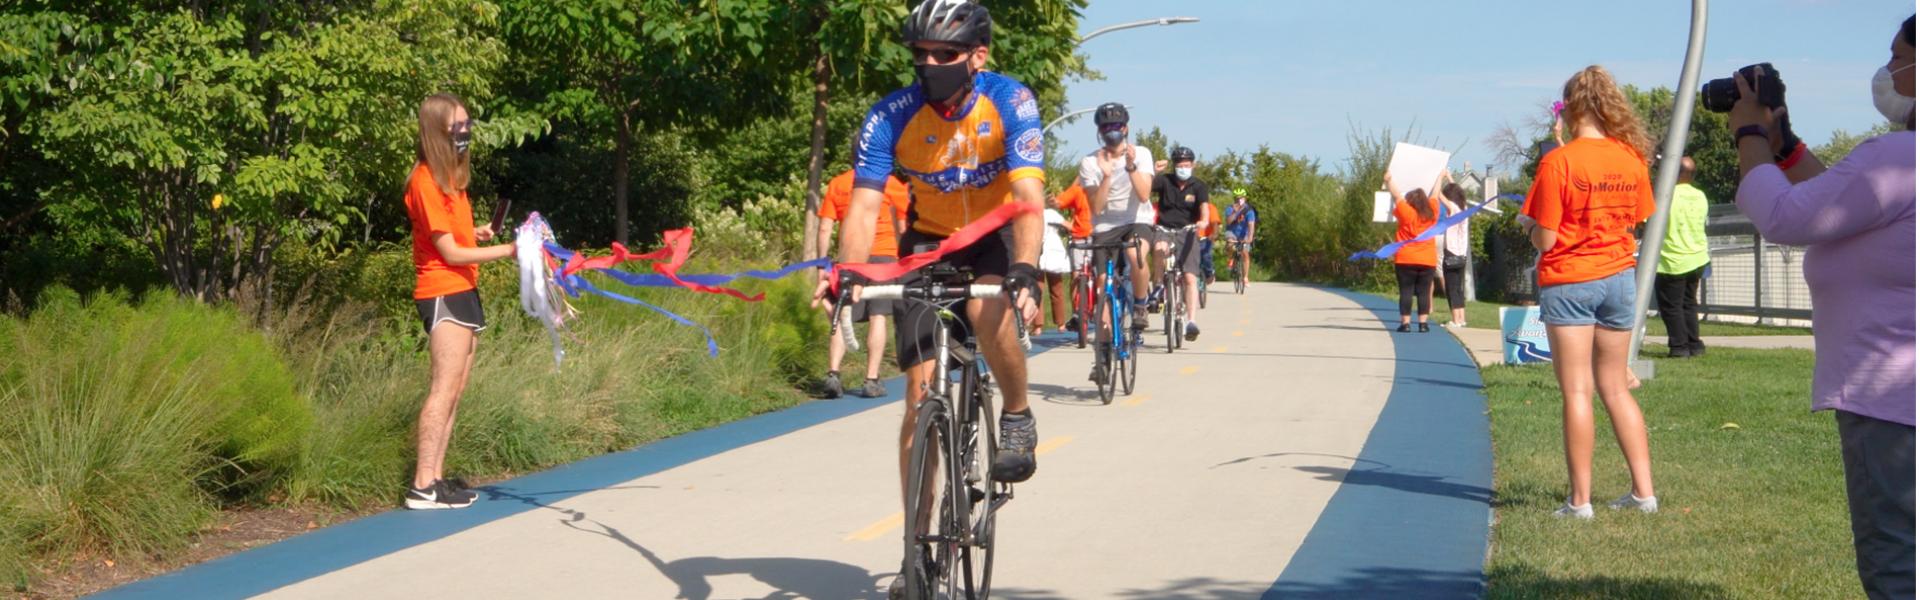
(1857,221)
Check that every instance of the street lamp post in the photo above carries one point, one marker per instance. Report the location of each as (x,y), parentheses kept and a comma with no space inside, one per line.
(1063,118)
(1147,23)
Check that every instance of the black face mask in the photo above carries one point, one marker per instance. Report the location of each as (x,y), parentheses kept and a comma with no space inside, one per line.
(941,82)
(462,140)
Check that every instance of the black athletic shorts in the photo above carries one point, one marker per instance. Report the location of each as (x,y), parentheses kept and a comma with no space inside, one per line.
(868,308)
(461,308)
(913,336)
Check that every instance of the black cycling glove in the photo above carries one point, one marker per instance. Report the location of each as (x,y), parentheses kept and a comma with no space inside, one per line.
(1023,276)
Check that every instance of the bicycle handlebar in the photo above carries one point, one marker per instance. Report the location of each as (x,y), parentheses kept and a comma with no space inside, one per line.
(935,292)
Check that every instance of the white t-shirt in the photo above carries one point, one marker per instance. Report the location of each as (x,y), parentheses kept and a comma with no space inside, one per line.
(1122,207)
(1457,240)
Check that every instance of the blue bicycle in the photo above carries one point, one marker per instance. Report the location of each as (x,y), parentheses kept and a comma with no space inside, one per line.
(1115,365)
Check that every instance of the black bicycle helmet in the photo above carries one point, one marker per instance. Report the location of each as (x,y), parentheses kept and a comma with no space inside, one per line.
(1109,114)
(1181,154)
(948,21)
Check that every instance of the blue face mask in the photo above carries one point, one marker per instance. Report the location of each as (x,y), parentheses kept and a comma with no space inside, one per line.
(1113,138)
(1184,173)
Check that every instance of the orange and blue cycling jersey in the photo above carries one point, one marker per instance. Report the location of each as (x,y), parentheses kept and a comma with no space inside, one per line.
(961,166)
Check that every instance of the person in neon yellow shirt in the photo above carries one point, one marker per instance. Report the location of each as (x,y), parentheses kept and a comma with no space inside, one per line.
(1683,259)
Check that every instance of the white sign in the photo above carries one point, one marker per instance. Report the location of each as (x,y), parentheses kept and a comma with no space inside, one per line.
(1382,207)
(1416,167)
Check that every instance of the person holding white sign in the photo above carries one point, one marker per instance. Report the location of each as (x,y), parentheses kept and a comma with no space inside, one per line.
(1585,201)
(1415,263)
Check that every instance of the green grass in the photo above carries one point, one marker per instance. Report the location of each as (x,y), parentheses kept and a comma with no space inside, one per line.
(1753,511)
(1486,315)
(125,425)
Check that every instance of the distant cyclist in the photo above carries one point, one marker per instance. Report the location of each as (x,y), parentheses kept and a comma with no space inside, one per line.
(1117,179)
(969,141)
(1182,199)
(1207,233)
(1242,222)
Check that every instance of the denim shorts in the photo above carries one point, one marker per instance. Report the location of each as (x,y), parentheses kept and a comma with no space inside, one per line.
(1606,302)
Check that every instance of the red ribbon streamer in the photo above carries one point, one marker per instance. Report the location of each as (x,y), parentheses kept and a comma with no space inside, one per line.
(966,236)
(667,262)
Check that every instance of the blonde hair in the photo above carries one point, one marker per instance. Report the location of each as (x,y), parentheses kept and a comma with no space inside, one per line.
(449,166)
(1593,96)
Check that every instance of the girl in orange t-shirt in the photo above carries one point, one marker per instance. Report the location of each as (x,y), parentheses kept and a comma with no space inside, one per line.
(1580,214)
(1416,263)
(446,261)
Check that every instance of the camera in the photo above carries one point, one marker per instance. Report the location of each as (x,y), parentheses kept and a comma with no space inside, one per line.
(1719,95)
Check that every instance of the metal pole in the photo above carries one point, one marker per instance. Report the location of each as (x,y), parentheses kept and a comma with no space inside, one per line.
(1671,151)
(1759,273)
(1057,120)
(1147,23)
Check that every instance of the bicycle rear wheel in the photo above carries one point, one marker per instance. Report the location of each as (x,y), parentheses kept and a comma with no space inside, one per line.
(927,555)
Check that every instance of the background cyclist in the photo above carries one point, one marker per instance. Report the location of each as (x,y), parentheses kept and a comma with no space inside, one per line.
(1242,221)
(1182,199)
(1117,179)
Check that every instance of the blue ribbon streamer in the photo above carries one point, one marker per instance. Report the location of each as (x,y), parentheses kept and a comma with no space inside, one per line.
(1387,251)
(575,284)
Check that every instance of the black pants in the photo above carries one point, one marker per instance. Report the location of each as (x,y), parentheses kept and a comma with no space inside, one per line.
(1878,459)
(1680,308)
(1415,281)
(1456,281)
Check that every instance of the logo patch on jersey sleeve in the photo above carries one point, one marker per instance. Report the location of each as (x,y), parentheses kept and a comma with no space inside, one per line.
(1024,106)
(1030,147)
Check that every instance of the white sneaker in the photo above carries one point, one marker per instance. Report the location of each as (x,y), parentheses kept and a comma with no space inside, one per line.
(1584,511)
(1645,505)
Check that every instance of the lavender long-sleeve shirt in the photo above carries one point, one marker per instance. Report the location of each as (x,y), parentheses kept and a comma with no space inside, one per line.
(1856,220)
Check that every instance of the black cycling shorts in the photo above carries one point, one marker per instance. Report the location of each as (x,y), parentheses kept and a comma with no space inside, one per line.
(914,335)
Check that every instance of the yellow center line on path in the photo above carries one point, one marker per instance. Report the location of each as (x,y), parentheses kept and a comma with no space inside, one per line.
(878,528)
(1219,349)
(885,526)
(1246,321)
(1136,399)
(1189,370)
(1239,334)
(1051,445)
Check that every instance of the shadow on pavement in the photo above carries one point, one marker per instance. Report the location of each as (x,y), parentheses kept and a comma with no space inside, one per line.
(791,578)
(1280,454)
(1065,396)
(1434,485)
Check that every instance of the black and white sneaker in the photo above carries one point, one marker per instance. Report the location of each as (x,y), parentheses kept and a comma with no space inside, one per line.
(437,496)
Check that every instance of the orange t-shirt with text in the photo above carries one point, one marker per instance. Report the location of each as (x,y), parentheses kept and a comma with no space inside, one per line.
(1590,193)
(839,196)
(1074,201)
(432,211)
(1411,226)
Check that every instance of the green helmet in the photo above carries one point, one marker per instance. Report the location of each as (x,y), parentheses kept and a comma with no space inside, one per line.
(1239,192)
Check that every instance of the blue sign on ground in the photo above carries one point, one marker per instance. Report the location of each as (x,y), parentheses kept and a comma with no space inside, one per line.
(1524,336)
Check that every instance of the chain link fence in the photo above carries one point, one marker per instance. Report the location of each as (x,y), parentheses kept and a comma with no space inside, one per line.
(1751,280)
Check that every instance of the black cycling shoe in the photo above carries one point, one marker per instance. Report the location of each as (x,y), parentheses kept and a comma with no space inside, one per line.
(1424,328)
(1404,328)
(1014,462)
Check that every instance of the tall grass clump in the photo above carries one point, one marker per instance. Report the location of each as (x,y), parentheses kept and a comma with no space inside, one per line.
(123,425)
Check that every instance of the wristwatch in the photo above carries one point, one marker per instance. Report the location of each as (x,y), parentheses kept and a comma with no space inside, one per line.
(1131,167)
(1743,132)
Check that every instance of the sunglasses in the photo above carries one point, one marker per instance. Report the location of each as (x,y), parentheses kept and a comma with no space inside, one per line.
(941,55)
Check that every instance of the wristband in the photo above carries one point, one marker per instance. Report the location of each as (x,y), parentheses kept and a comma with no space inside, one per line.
(1743,132)
(1793,157)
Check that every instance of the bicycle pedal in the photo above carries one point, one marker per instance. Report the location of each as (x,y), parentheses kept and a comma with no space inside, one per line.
(975,494)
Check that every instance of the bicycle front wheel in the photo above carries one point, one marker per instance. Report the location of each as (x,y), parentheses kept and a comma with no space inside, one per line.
(1130,364)
(928,552)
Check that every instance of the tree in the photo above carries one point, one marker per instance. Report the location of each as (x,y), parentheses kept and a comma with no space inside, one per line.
(215,135)
(617,67)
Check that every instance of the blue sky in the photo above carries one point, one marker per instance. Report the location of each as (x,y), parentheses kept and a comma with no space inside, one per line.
(1292,74)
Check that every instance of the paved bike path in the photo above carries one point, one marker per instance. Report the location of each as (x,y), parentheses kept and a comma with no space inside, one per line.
(1211,481)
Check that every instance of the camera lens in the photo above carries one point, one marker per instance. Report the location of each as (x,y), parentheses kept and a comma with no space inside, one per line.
(1718,95)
